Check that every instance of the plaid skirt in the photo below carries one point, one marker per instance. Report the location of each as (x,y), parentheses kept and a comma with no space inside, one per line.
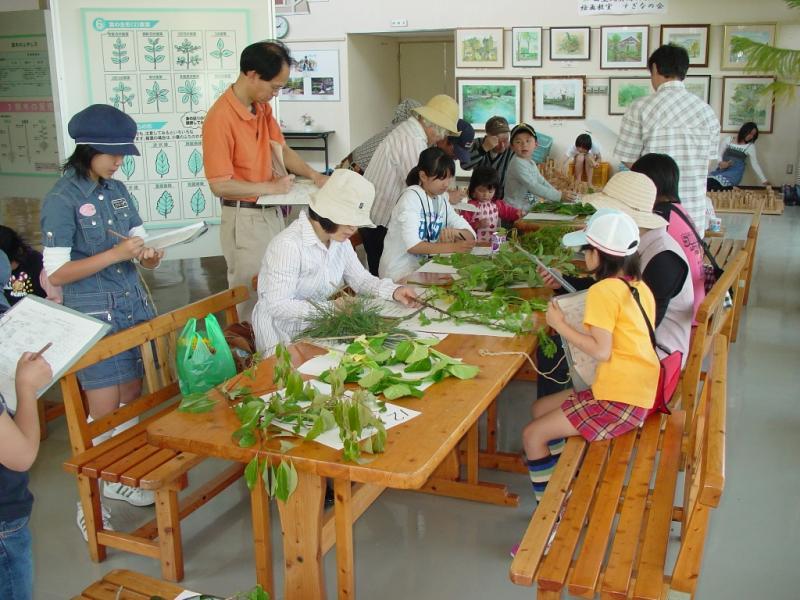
(601,419)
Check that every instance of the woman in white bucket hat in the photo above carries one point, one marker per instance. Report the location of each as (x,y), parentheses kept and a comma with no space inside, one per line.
(309,260)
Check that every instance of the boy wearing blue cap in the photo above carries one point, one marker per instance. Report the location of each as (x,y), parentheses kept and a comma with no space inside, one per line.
(91,234)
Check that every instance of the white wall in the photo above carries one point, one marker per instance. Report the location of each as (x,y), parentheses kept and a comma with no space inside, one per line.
(337,18)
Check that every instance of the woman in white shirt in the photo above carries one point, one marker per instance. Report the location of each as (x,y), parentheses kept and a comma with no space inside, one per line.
(732,158)
(313,257)
(423,221)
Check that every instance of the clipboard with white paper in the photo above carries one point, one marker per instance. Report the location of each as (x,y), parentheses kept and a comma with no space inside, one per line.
(183,235)
(30,325)
(581,366)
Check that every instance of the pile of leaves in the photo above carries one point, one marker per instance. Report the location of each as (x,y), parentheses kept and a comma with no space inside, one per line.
(546,241)
(580,209)
(357,316)
(367,362)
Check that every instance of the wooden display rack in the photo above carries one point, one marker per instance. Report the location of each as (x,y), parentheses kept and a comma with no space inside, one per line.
(739,200)
(562,182)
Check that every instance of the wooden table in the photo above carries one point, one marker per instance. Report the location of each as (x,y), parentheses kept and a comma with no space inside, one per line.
(421,454)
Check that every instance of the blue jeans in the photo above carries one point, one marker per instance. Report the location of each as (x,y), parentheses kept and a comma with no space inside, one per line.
(16,560)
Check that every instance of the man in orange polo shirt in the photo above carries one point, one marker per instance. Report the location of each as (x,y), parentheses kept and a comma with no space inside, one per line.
(238,155)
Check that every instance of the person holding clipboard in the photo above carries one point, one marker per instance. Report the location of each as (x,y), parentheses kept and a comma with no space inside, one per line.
(92,236)
(19,445)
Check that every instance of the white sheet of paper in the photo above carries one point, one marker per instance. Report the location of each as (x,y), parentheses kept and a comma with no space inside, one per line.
(186,594)
(432,267)
(393,415)
(450,326)
(534,216)
(301,193)
(33,323)
(178,236)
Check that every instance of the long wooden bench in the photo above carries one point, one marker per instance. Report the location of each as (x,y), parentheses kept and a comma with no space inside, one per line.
(725,251)
(616,501)
(121,584)
(750,246)
(128,458)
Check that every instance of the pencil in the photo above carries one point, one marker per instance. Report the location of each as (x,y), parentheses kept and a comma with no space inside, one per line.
(119,235)
(461,235)
(42,351)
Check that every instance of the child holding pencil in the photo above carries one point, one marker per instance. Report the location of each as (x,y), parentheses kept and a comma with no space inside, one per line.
(92,234)
(19,445)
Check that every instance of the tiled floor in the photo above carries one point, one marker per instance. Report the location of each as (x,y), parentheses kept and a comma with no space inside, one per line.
(411,545)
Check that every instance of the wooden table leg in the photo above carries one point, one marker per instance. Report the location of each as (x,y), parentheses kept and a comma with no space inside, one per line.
(345,563)
(472,454)
(259,508)
(301,523)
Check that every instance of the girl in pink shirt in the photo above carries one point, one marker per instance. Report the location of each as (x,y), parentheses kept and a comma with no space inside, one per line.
(491,211)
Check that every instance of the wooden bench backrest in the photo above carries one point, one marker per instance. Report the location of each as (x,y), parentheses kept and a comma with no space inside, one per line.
(710,318)
(705,467)
(156,340)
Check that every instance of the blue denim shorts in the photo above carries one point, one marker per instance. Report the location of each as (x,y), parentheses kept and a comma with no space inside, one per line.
(121,310)
(16,560)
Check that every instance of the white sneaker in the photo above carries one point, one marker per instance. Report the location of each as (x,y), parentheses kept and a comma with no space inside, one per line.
(131,495)
(81,521)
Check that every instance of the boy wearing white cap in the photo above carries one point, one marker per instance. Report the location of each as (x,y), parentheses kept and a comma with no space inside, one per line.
(615,334)
(309,260)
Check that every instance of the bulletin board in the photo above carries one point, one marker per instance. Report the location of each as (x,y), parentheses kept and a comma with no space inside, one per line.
(163,64)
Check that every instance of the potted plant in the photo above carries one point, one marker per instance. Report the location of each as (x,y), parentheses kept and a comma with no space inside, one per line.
(308,122)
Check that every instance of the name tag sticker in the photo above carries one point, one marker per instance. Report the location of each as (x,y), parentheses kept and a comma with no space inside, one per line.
(119,203)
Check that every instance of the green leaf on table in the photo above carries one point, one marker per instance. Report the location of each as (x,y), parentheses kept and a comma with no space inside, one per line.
(251,472)
(372,378)
(421,366)
(198,402)
(246,437)
(403,350)
(399,390)
(419,352)
(286,480)
(463,371)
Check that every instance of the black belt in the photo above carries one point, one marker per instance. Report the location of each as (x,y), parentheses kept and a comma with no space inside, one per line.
(243,204)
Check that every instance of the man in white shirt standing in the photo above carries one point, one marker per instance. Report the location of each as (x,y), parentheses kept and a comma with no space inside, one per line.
(673,121)
(395,157)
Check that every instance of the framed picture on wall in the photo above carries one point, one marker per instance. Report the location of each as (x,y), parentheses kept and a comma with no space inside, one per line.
(481,99)
(570,43)
(699,85)
(763,33)
(479,48)
(692,37)
(526,45)
(624,47)
(622,91)
(744,99)
(559,97)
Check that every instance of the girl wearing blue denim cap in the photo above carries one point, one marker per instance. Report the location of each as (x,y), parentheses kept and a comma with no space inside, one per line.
(92,234)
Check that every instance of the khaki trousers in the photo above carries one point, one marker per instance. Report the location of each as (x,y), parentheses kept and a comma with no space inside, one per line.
(244,235)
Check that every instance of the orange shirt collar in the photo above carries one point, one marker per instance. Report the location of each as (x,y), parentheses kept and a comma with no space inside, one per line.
(244,113)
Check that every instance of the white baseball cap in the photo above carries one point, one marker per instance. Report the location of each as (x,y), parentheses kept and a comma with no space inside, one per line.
(608,230)
(346,199)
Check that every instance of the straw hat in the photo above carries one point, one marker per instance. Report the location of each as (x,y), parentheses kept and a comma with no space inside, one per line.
(441,110)
(632,193)
(610,231)
(346,199)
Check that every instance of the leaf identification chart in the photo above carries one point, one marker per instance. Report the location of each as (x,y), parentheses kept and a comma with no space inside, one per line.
(164,63)
(28,143)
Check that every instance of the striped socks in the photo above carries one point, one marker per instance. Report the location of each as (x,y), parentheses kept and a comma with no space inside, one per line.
(556,446)
(540,471)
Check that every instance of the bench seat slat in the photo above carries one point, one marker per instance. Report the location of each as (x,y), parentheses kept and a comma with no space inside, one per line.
(131,476)
(95,467)
(113,471)
(555,566)
(650,572)
(619,568)
(593,549)
(533,543)
(137,581)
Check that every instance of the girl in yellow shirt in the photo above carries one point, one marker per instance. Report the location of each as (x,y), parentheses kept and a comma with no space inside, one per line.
(615,334)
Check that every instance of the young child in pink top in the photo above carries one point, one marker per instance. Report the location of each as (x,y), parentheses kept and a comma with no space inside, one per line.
(490,211)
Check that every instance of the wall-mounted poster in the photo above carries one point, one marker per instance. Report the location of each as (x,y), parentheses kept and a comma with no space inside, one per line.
(314,77)
(743,100)
(481,48)
(165,73)
(559,97)
(624,47)
(694,38)
(570,43)
(481,99)
(526,46)
(763,33)
(622,91)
